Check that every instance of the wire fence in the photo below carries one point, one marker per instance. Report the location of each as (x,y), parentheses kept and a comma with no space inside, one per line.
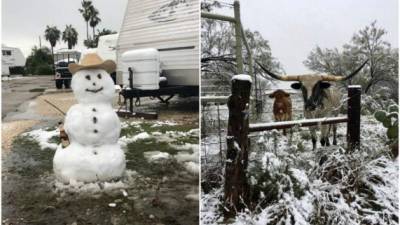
(214,120)
(215,115)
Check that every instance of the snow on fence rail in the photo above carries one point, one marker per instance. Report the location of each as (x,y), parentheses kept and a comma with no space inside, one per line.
(214,99)
(301,123)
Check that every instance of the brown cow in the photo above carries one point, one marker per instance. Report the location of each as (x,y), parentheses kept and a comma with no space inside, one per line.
(282,106)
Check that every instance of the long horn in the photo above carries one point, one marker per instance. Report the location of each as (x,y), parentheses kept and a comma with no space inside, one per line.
(278,77)
(340,78)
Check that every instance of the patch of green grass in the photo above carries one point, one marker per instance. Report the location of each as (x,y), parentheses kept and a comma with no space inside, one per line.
(131,130)
(136,160)
(151,144)
(50,128)
(37,90)
(55,139)
(148,127)
(28,159)
(186,139)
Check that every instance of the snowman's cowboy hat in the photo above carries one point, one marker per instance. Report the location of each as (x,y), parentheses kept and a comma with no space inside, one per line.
(92,61)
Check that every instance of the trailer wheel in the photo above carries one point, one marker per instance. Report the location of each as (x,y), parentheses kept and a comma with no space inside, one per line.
(59,83)
(67,84)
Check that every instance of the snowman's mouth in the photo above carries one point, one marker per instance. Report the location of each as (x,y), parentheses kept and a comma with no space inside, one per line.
(94,90)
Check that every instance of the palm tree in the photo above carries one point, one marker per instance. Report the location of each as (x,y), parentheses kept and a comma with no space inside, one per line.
(86,13)
(105,31)
(94,19)
(52,34)
(70,36)
(101,33)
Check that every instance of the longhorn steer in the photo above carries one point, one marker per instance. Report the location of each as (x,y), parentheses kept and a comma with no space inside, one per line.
(320,99)
(282,106)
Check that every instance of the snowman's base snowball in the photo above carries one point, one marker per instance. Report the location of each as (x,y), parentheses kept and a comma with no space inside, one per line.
(88,164)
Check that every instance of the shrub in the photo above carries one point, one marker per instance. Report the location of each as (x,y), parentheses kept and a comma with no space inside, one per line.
(17,70)
(390,120)
(39,62)
(44,69)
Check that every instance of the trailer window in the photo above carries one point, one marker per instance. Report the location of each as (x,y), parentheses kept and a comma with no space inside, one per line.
(6,52)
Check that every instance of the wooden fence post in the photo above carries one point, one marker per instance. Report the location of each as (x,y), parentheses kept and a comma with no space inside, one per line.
(236,187)
(354,117)
(238,36)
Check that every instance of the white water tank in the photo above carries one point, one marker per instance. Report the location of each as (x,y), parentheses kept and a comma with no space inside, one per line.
(145,64)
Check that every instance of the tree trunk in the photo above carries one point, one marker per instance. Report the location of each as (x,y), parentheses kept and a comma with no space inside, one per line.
(369,85)
(52,55)
(93,32)
(87,30)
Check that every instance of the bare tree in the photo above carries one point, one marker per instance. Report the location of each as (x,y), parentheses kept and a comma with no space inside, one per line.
(367,43)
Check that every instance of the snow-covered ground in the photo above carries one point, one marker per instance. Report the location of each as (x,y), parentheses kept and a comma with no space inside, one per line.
(185,153)
(13,77)
(292,184)
(161,179)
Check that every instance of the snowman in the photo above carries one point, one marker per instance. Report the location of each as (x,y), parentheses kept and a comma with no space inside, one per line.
(92,126)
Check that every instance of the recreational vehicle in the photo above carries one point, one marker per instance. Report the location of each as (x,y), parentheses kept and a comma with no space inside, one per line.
(106,48)
(158,48)
(11,58)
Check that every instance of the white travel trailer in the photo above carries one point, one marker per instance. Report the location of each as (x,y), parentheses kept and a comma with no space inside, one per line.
(169,26)
(106,48)
(11,57)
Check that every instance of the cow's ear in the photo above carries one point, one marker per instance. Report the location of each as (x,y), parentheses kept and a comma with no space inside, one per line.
(296,85)
(325,85)
(287,94)
(272,95)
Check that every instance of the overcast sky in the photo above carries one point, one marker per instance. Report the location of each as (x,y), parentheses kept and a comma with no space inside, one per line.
(295,27)
(23,21)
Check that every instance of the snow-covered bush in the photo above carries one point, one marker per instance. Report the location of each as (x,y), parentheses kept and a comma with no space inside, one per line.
(211,177)
(293,184)
(354,189)
(374,102)
(376,201)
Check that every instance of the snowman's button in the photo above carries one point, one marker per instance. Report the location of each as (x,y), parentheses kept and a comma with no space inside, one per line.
(94,110)
(95,152)
(95,131)
(94,119)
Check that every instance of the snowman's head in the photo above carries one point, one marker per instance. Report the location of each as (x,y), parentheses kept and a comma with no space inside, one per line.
(93,86)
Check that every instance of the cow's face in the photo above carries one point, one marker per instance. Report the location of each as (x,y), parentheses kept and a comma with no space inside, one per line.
(312,87)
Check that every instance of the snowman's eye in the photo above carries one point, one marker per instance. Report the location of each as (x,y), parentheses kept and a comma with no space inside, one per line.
(99,76)
(87,77)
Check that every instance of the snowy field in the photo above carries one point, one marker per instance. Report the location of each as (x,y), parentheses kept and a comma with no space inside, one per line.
(292,184)
(161,180)
(12,77)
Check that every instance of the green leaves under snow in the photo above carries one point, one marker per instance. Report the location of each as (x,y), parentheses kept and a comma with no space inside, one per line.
(390,120)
